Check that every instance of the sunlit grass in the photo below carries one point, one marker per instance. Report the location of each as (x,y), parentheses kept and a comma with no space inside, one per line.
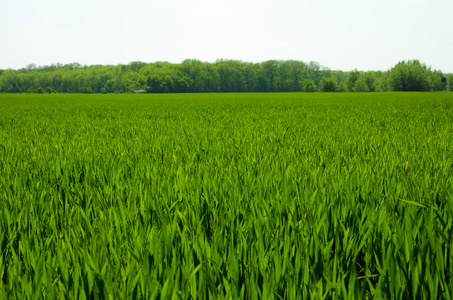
(226,195)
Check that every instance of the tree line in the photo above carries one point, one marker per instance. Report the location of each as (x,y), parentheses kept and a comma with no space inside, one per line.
(195,76)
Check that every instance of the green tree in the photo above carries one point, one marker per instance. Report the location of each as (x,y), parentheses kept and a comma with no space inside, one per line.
(341,88)
(309,86)
(141,82)
(86,90)
(231,77)
(110,86)
(313,72)
(450,82)
(370,81)
(224,75)
(361,85)
(155,84)
(351,80)
(435,81)
(284,73)
(182,84)
(135,66)
(366,82)
(203,76)
(270,68)
(250,72)
(297,69)
(328,85)
(409,76)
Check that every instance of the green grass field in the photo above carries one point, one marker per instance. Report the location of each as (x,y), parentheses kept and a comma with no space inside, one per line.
(232,196)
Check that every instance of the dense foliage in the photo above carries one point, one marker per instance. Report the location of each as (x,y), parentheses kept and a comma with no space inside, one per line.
(414,76)
(221,76)
(251,196)
(450,82)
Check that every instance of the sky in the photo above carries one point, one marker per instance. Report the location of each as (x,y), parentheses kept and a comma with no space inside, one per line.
(339,34)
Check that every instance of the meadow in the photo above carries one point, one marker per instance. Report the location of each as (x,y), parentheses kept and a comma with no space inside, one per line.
(257,196)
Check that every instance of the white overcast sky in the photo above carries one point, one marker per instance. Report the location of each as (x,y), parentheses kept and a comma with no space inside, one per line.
(339,34)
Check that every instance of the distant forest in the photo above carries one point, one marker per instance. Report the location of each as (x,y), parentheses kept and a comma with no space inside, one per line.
(194,76)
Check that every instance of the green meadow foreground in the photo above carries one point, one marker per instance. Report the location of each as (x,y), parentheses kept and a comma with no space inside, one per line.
(227,196)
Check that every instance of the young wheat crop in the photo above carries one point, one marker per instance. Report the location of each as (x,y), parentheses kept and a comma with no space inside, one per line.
(226,196)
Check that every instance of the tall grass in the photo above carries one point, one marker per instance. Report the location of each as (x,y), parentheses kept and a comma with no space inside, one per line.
(227,196)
